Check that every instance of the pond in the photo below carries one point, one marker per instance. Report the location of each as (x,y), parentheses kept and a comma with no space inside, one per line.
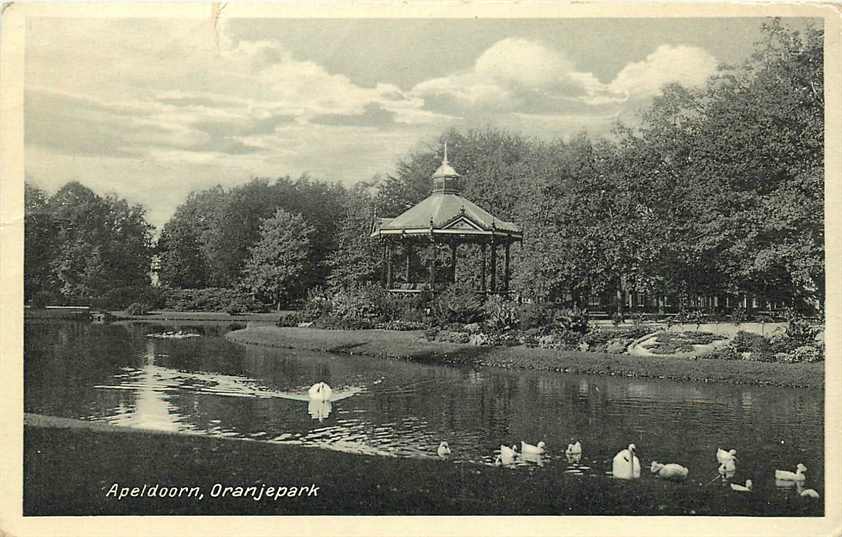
(121,374)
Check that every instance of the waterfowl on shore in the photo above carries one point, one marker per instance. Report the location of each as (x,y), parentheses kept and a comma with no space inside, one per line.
(809,493)
(320,391)
(529,449)
(626,465)
(672,471)
(443,450)
(785,475)
(723,456)
(742,488)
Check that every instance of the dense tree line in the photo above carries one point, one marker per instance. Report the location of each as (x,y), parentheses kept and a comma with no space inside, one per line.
(718,189)
(79,246)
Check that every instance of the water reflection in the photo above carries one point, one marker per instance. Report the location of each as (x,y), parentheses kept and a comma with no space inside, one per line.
(319,410)
(391,408)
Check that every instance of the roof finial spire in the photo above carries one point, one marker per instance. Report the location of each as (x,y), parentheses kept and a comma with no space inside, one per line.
(444,160)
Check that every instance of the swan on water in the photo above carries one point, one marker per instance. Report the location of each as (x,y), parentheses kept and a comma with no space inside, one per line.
(728,468)
(742,488)
(723,456)
(508,454)
(443,450)
(320,391)
(809,493)
(532,450)
(626,464)
(798,475)
(669,471)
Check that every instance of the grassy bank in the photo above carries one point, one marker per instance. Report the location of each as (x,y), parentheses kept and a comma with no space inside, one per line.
(412,346)
(70,466)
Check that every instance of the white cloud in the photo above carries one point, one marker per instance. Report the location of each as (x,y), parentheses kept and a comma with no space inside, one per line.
(690,66)
(518,75)
(155,118)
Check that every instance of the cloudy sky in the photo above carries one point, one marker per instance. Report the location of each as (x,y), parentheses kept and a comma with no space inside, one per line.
(153,108)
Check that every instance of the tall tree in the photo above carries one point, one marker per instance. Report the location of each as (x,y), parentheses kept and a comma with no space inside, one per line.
(279,258)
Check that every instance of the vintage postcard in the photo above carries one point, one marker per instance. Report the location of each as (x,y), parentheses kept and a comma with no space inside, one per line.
(521,267)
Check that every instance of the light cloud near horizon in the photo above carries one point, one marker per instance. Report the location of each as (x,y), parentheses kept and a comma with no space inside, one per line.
(152,109)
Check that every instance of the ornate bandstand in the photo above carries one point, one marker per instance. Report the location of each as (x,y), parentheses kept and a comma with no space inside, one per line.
(444,219)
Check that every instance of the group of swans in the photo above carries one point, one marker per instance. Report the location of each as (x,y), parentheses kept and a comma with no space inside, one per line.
(626,465)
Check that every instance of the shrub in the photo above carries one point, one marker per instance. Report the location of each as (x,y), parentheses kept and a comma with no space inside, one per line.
(501,313)
(725,353)
(208,299)
(782,343)
(807,353)
(458,304)
(801,329)
(537,315)
(745,341)
(121,297)
(138,308)
(237,306)
(572,319)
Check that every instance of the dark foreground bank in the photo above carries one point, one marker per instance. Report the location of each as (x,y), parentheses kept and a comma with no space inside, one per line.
(71,466)
(411,345)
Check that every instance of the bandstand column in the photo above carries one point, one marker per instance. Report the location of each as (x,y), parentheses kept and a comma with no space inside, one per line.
(388,265)
(506,271)
(493,288)
(453,262)
(432,265)
(408,260)
(482,267)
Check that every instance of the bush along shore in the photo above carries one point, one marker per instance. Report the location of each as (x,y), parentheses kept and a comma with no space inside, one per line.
(461,327)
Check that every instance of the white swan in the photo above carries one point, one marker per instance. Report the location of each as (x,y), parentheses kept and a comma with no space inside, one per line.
(669,471)
(798,475)
(809,493)
(443,450)
(742,488)
(724,456)
(320,391)
(508,454)
(626,464)
(728,468)
(532,450)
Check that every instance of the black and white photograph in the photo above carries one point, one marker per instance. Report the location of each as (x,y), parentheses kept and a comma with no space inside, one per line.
(438,264)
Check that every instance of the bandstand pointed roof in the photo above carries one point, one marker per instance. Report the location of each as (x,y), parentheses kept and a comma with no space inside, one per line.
(446,213)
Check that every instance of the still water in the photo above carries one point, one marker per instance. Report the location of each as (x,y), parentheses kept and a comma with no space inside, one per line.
(206,385)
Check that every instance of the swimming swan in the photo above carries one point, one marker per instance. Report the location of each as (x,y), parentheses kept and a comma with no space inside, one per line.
(742,488)
(532,450)
(320,391)
(728,468)
(626,464)
(809,493)
(724,456)
(669,471)
(443,450)
(798,475)
(508,454)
